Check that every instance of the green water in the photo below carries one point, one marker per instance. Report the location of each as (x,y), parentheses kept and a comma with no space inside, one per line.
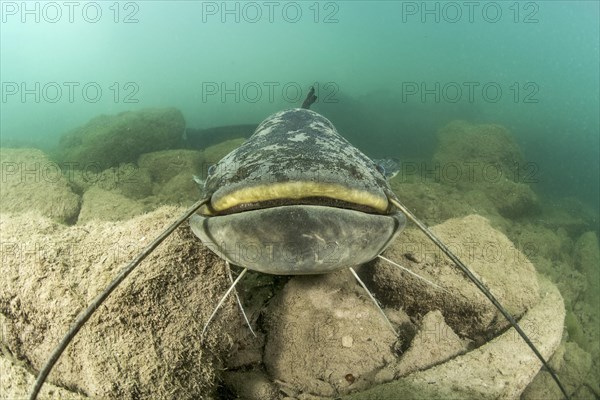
(388,74)
(381,62)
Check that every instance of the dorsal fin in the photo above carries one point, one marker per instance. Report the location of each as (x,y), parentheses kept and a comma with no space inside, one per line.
(310,98)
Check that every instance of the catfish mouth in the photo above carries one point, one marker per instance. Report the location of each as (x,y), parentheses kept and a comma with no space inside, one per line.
(296,193)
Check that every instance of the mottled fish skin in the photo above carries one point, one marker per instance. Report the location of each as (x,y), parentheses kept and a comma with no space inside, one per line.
(296,145)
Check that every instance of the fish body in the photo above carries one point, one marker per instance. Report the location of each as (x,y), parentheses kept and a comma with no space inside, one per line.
(297,198)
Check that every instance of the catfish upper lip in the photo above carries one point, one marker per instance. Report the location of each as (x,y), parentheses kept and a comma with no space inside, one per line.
(296,192)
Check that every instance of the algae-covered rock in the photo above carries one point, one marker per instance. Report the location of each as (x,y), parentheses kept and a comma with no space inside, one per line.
(166,164)
(587,259)
(128,180)
(146,340)
(434,202)
(110,140)
(513,199)
(540,242)
(486,158)
(574,367)
(481,152)
(172,173)
(203,138)
(32,182)
(181,190)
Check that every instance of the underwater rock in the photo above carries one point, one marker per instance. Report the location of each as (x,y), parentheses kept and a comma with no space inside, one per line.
(541,243)
(434,202)
(145,340)
(481,152)
(324,336)
(308,322)
(488,253)
(203,138)
(573,267)
(323,329)
(181,190)
(500,369)
(103,205)
(251,385)
(587,261)
(434,343)
(574,367)
(166,164)
(16,381)
(486,157)
(569,214)
(32,182)
(127,179)
(513,200)
(109,140)
(172,173)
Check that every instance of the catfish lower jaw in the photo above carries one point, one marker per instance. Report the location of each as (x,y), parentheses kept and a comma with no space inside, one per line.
(298,239)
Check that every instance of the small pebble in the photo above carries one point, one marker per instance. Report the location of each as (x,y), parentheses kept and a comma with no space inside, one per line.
(347,341)
(350,378)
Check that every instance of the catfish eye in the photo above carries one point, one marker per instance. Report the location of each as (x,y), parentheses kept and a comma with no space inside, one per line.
(381,169)
(211,169)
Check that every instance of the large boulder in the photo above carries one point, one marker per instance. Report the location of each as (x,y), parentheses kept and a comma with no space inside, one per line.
(146,340)
(165,164)
(108,140)
(324,334)
(508,273)
(172,173)
(480,152)
(128,180)
(500,369)
(487,158)
(215,153)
